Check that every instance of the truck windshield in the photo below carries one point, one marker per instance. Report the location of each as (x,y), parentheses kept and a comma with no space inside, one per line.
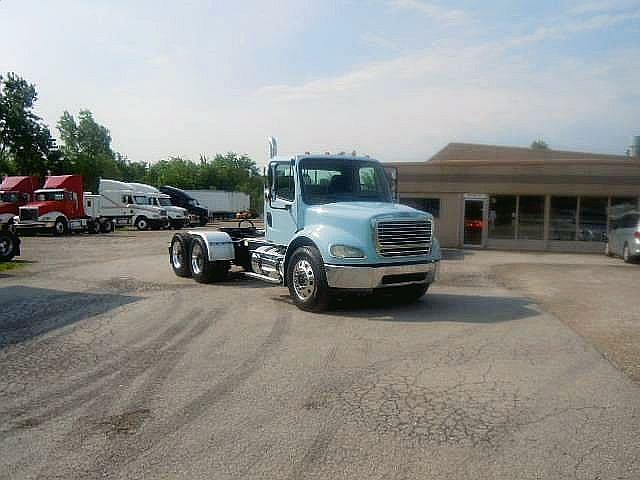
(11,197)
(140,200)
(50,196)
(336,180)
(165,202)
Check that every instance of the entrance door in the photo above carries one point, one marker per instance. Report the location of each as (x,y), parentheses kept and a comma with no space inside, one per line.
(474,222)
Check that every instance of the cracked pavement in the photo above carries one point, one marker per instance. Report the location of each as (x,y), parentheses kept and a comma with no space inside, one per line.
(112,367)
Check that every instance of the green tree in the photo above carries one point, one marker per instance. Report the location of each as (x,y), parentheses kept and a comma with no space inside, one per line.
(25,141)
(539,145)
(86,148)
(131,171)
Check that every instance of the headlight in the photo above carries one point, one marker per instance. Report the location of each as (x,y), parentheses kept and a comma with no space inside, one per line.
(345,251)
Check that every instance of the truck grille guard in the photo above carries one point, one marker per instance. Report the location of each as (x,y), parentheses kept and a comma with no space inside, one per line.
(403,237)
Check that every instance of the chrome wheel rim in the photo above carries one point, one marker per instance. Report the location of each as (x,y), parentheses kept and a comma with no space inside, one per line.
(6,247)
(304,280)
(197,258)
(625,253)
(177,254)
(59,227)
(142,224)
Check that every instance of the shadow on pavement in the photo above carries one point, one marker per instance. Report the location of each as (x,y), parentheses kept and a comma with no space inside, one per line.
(453,254)
(28,312)
(437,307)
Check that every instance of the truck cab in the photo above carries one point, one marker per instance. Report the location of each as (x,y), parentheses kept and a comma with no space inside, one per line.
(14,193)
(57,206)
(196,212)
(177,216)
(120,201)
(330,225)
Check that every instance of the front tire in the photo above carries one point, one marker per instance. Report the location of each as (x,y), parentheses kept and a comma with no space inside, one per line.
(178,256)
(607,250)
(107,227)
(202,270)
(203,221)
(8,247)
(142,223)
(307,280)
(626,254)
(60,226)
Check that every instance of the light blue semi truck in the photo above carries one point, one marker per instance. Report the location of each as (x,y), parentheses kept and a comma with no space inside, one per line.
(331,225)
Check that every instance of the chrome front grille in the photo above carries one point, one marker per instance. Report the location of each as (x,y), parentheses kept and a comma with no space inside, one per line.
(398,238)
(28,213)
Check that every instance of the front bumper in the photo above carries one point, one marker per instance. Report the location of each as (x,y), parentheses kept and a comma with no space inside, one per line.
(34,225)
(158,223)
(355,277)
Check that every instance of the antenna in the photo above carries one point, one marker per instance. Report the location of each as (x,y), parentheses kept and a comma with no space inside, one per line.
(273,147)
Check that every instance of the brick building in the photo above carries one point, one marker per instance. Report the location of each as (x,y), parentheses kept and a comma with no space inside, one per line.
(489,196)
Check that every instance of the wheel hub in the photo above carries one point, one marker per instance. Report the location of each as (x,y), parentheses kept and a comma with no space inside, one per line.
(5,247)
(304,282)
(176,254)
(197,259)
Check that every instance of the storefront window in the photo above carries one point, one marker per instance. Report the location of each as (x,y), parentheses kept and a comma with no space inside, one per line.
(593,219)
(563,218)
(431,205)
(502,217)
(531,218)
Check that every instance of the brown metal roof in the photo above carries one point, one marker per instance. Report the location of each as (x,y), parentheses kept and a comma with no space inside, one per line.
(456,153)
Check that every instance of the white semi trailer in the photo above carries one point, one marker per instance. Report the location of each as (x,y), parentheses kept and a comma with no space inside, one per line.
(221,203)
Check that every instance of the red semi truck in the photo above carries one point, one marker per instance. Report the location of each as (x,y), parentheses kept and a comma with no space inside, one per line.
(15,192)
(61,206)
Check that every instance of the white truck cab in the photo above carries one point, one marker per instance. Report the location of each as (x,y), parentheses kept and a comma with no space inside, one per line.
(177,216)
(120,200)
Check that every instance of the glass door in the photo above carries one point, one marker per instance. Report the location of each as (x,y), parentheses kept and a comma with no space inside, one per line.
(474,221)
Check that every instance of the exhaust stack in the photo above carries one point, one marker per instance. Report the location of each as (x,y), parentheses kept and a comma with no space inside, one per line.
(273,147)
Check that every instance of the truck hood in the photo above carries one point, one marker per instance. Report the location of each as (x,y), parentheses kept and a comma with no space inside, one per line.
(352,224)
(361,211)
(45,207)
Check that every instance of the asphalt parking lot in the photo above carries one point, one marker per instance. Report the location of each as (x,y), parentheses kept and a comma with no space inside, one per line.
(514,365)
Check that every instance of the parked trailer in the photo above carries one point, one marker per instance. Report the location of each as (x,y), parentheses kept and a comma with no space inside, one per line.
(221,203)
(331,225)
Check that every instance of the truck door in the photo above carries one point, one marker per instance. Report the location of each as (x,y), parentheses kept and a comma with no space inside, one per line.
(281,213)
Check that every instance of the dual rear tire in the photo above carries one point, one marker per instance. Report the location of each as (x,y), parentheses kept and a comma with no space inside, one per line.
(189,259)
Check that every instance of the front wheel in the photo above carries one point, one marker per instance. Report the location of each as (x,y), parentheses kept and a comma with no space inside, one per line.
(626,254)
(60,226)
(203,270)
(8,246)
(607,250)
(142,223)
(107,227)
(203,221)
(307,280)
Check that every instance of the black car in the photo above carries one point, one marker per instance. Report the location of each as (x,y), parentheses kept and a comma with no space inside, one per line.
(182,199)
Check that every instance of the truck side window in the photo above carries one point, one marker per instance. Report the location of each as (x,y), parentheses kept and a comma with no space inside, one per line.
(367,176)
(284,182)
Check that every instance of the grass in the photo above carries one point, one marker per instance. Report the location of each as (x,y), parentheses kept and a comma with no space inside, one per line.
(5,267)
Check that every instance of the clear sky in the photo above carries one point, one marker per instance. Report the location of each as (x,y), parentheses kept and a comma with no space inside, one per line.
(397,79)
